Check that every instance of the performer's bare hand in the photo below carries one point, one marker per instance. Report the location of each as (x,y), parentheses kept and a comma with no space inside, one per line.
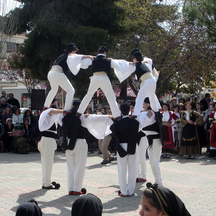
(111,116)
(86,115)
(149,114)
(110,58)
(158,72)
(191,122)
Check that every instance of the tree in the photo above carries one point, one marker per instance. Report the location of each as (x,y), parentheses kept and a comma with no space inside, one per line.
(202,13)
(53,24)
(7,29)
(147,31)
(179,50)
(8,73)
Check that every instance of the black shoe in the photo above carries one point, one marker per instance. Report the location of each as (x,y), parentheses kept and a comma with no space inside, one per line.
(188,157)
(54,185)
(105,162)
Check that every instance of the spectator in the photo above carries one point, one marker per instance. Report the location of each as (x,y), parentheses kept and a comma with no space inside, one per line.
(208,130)
(160,201)
(189,140)
(3,95)
(13,101)
(30,208)
(212,120)
(205,101)
(17,117)
(177,129)
(98,108)
(182,100)
(29,135)
(7,113)
(132,105)
(173,100)
(32,121)
(181,107)
(4,104)
(106,110)
(169,119)
(1,138)
(7,138)
(208,112)
(88,204)
(200,127)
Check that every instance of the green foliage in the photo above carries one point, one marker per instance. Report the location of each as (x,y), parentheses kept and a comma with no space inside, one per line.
(203,14)
(54,23)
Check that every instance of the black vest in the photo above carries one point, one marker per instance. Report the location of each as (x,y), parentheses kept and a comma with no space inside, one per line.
(49,133)
(62,62)
(141,69)
(101,63)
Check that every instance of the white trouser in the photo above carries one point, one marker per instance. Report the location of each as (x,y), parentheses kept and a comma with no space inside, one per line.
(154,153)
(76,163)
(47,147)
(57,79)
(130,161)
(143,144)
(147,89)
(103,82)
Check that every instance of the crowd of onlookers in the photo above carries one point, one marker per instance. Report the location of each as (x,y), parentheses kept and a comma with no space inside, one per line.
(17,130)
(17,126)
(203,107)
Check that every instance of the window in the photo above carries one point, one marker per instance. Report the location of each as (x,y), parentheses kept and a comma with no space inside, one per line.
(13,47)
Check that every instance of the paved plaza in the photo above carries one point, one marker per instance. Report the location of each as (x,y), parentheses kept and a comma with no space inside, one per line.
(194,181)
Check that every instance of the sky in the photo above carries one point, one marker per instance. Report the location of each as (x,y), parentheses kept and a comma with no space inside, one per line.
(7,5)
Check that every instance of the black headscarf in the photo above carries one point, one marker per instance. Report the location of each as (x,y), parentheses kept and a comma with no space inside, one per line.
(29,209)
(87,205)
(169,202)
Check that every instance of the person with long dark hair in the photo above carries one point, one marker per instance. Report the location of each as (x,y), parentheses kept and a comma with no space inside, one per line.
(189,140)
(161,201)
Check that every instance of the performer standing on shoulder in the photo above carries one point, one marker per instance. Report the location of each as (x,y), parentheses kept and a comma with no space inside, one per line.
(101,67)
(147,86)
(69,60)
(126,131)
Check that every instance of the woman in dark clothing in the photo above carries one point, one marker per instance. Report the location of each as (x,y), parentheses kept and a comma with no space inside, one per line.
(29,135)
(7,138)
(32,121)
(200,127)
(87,205)
(7,113)
(30,208)
(189,140)
(160,201)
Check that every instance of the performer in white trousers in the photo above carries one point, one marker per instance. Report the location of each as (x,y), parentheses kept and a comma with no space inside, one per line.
(149,126)
(76,163)
(47,145)
(69,60)
(147,86)
(126,131)
(101,67)
(76,150)
(142,169)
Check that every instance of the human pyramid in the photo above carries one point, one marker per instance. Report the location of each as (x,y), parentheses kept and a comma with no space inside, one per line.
(126,129)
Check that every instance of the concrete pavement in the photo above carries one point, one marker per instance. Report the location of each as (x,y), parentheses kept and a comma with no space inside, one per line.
(194,181)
